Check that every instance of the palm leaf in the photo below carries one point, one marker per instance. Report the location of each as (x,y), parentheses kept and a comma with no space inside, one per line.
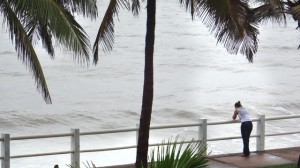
(87,8)
(295,12)
(24,47)
(45,19)
(231,22)
(189,5)
(273,10)
(135,7)
(46,37)
(35,28)
(60,23)
(176,155)
(105,34)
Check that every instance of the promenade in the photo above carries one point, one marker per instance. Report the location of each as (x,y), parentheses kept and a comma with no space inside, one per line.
(261,159)
(256,160)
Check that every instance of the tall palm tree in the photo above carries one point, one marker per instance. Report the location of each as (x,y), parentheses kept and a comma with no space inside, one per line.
(45,20)
(233,22)
(145,118)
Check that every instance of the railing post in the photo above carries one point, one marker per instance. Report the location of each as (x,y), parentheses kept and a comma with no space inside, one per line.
(75,147)
(137,132)
(5,151)
(260,140)
(203,133)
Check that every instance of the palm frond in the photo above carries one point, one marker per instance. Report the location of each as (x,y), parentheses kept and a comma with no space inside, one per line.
(295,12)
(189,6)
(232,24)
(176,155)
(24,47)
(135,7)
(46,37)
(35,28)
(87,8)
(60,23)
(273,10)
(105,34)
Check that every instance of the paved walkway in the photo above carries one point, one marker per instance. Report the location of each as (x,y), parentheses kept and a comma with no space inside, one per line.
(256,160)
(267,158)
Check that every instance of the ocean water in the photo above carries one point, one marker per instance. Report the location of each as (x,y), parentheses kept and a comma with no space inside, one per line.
(193,78)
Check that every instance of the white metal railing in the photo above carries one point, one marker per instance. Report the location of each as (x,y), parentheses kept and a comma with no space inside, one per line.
(75,138)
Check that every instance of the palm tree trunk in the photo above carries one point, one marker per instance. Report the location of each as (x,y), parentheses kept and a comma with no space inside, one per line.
(143,139)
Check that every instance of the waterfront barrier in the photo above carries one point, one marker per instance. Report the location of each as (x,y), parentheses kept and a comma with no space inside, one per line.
(75,135)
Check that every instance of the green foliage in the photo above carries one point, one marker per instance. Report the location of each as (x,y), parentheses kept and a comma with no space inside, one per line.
(174,155)
(46,20)
(86,165)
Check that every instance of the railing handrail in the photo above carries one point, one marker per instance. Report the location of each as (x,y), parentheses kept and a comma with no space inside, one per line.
(110,131)
(283,117)
(259,135)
